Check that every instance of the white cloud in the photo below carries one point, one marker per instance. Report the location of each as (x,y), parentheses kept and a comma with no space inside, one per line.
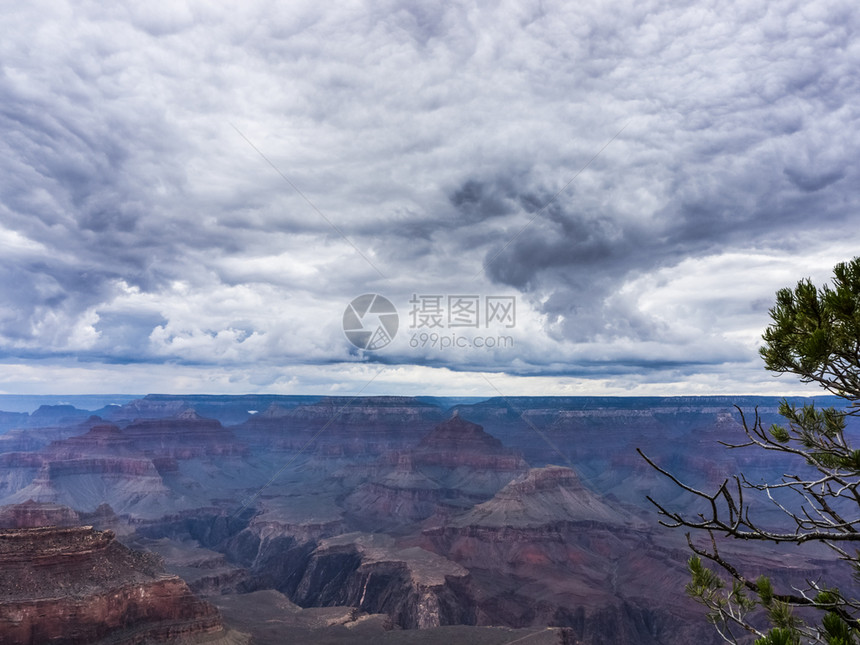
(138,226)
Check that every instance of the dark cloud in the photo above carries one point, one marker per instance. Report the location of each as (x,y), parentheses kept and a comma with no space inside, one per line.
(476,201)
(814,182)
(137,224)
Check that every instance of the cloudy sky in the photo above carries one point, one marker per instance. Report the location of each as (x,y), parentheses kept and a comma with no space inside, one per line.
(191,196)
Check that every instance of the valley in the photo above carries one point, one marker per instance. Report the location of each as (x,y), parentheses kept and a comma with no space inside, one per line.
(378,519)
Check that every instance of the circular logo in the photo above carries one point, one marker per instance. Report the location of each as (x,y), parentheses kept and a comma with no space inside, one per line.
(370,321)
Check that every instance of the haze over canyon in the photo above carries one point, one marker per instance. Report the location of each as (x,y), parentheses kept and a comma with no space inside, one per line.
(269,519)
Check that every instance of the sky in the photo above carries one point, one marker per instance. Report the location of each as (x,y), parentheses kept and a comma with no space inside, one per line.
(554,198)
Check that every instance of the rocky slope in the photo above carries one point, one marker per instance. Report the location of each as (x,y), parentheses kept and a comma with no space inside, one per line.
(207,572)
(30,439)
(11,420)
(84,471)
(276,543)
(272,619)
(146,469)
(76,585)
(183,436)
(454,466)
(416,588)
(33,514)
(546,550)
(541,496)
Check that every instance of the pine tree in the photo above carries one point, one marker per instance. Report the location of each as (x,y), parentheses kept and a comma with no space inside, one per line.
(814,334)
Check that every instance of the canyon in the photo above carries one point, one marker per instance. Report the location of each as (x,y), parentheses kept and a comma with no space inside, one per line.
(368,519)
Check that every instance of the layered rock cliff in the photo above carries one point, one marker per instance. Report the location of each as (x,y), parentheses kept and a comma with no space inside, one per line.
(342,427)
(32,514)
(228,409)
(552,552)
(30,439)
(454,466)
(416,588)
(137,469)
(184,436)
(77,585)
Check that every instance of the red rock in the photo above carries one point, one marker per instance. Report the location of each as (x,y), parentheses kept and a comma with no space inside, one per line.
(76,586)
(32,514)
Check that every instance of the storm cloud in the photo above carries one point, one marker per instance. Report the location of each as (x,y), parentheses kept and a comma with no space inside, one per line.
(202,190)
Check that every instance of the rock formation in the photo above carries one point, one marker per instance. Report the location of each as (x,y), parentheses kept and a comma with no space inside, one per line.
(286,499)
(33,514)
(416,588)
(453,467)
(342,427)
(228,409)
(552,552)
(77,585)
(127,468)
